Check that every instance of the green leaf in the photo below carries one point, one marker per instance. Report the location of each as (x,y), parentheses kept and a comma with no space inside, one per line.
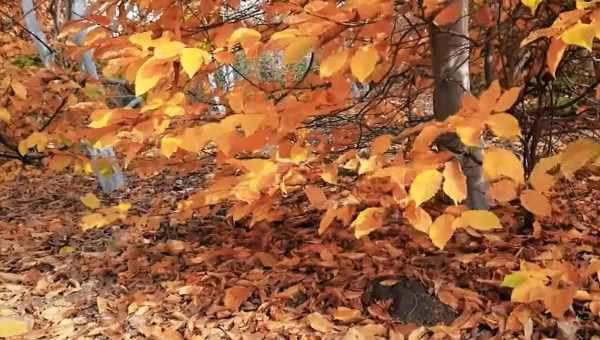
(513,280)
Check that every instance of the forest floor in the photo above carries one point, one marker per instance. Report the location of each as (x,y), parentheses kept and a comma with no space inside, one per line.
(210,279)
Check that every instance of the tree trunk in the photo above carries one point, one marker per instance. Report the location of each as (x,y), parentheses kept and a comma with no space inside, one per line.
(39,38)
(104,161)
(450,61)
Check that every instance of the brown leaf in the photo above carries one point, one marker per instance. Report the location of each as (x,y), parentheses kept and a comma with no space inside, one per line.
(318,322)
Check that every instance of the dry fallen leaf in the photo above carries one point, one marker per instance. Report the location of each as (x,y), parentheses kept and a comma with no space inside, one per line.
(235,296)
(318,322)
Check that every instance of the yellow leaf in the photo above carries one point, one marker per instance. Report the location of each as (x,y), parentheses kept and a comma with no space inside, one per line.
(425,185)
(95,220)
(448,15)
(192,59)
(555,54)
(245,36)
(169,145)
(504,125)
(235,296)
(455,182)
(318,322)
(330,173)
(164,49)
(469,134)
(363,62)
(298,49)
(143,39)
(500,162)
(536,203)
(316,196)
(532,4)
(367,221)
(10,327)
(504,190)
(19,89)
(576,155)
(417,217)
(100,118)
(441,230)
(39,140)
(381,144)
(580,34)
(90,200)
(539,179)
(327,218)
(147,76)
(478,219)
(333,63)
(66,250)
(507,100)
(4,114)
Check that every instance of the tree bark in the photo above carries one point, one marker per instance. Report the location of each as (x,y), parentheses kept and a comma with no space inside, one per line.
(450,62)
(39,38)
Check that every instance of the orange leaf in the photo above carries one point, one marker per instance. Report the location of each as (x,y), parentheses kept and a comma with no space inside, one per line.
(507,100)
(235,296)
(455,182)
(327,218)
(381,144)
(555,54)
(504,190)
(536,203)
(441,230)
(316,196)
(448,15)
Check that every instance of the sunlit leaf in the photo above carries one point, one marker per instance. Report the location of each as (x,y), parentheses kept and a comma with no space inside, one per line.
(500,162)
(363,62)
(478,219)
(554,55)
(576,155)
(333,63)
(580,34)
(4,115)
(418,218)
(10,326)
(90,200)
(441,230)
(169,145)
(330,174)
(507,100)
(425,186)
(536,203)
(513,280)
(367,221)
(504,125)
(192,59)
(298,49)
(504,190)
(455,182)
(147,76)
(532,4)
(95,220)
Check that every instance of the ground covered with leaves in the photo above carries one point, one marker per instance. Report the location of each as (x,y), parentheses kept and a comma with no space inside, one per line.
(211,279)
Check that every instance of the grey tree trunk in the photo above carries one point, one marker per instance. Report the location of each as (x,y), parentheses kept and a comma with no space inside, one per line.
(450,61)
(108,180)
(39,38)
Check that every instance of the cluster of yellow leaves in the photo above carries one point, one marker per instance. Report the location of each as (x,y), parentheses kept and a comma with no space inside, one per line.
(555,286)
(567,29)
(104,216)
(37,140)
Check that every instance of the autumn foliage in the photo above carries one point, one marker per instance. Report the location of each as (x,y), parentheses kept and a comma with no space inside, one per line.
(360,160)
